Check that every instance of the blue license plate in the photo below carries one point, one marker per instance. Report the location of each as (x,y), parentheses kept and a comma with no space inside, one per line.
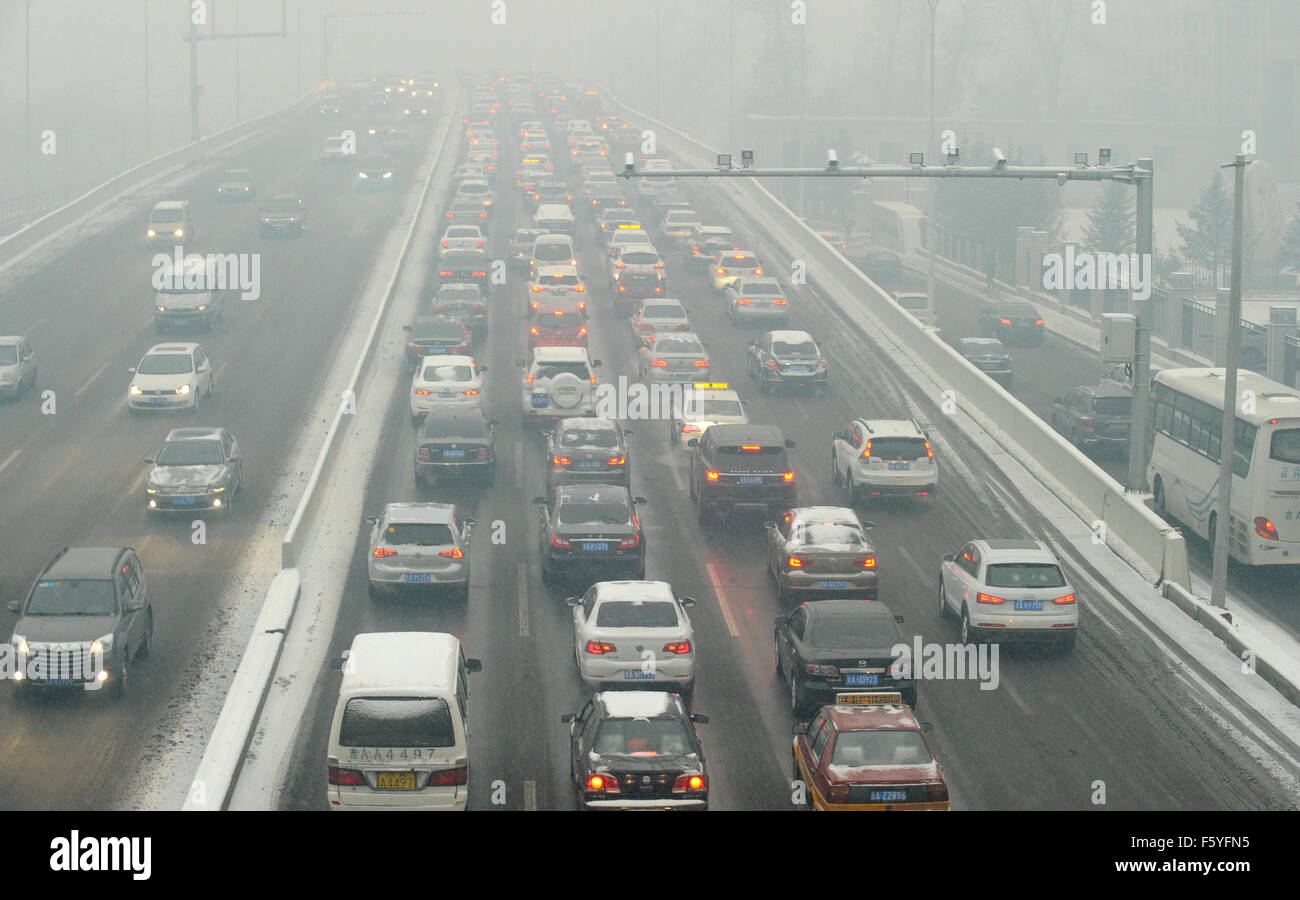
(596,546)
(1029,606)
(751,479)
(435,351)
(637,675)
(453,454)
(900,466)
(588,464)
(888,796)
(157,401)
(446,395)
(540,401)
(418,577)
(62,682)
(182,501)
(798,368)
(861,680)
(832,584)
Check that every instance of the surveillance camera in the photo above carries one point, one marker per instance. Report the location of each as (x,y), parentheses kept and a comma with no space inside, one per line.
(832,161)
(1062,178)
(999,158)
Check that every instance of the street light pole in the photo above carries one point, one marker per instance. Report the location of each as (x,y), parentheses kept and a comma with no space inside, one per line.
(731,76)
(658,65)
(1139,450)
(146,78)
(27,98)
(932,225)
(1228,443)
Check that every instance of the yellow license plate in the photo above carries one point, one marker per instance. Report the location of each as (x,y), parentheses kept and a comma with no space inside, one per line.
(395,781)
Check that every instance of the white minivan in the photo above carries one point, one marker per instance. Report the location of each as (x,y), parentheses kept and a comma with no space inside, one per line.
(400,734)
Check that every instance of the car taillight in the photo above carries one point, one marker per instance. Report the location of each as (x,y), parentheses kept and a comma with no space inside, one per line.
(839,793)
(484,453)
(688,428)
(659,363)
(561,460)
(604,784)
(561,542)
(446,244)
(453,553)
(814,669)
(864,562)
(1039,322)
(422,453)
(415,348)
(722,271)
(788,476)
(866,451)
(597,648)
(779,302)
(345,777)
(582,330)
(928,452)
(629,542)
(712,476)
(743,301)
(382,552)
(538,287)
(701,364)
(1005,321)
(685,783)
(422,392)
(678,647)
(446,273)
(593,377)
(616,460)
(1063,601)
(795,562)
(989,598)
(580,288)
(1086,421)
(1265,529)
(771,364)
(449,777)
(936,790)
(528,379)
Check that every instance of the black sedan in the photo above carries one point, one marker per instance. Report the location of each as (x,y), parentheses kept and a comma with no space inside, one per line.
(456,439)
(789,358)
(637,750)
(826,646)
(439,335)
(466,302)
(463,267)
(591,530)
(588,449)
(1012,321)
(989,356)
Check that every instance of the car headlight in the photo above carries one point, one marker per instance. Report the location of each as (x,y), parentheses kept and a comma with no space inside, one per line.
(293,218)
(151,233)
(388,174)
(6,377)
(19,643)
(183,389)
(135,390)
(179,232)
(150,489)
(363,174)
(266,220)
(100,645)
(202,307)
(247,188)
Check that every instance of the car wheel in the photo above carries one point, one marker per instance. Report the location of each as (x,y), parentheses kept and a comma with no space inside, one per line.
(835,470)
(701,510)
(797,700)
(850,490)
(965,626)
(415,420)
(944,612)
(18,391)
(1158,500)
(121,687)
(548,577)
(780,673)
(491,474)
(146,645)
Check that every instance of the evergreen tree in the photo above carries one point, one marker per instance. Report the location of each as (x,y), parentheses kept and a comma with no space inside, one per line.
(1207,240)
(1112,222)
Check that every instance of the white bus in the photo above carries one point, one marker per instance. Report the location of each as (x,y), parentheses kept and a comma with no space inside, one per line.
(1186,424)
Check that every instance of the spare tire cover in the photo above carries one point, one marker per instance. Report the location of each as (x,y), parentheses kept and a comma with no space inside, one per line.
(566,390)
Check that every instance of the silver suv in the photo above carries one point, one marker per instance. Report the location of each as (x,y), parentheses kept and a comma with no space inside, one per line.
(559,382)
(17,366)
(85,618)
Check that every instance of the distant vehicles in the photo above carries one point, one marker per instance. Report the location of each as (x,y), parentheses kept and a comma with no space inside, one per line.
(988,355)
(592,531)
(170,223)
(729,265)
(462,237)
(672,356)
(709,403)
(189,298)
(557,322)
(283,214)
(788,359)
(1012,321)
(821,551)
(171,376)
(236,184)
(376,171)
(464,301)
(559,382)
(330,106)
(917,305)
(554,217)
(17,366)
(463,267)
(616,623)
(738,467)
(195,469)
(440,334)
(1099,415)
(456,439)
(445,380)
(588,450)
(878,457)
(421,546)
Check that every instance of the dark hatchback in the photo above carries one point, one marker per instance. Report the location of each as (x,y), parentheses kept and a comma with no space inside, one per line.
(742,466)
(1012,322)
(826,646)
(466,302)
(454,440)
(989,356)
(464,267)
(440,335)
(591,530)
(586,450)
(1095,415)
(637,750)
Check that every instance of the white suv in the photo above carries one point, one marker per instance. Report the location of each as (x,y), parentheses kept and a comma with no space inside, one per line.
(873,457)
(559,382)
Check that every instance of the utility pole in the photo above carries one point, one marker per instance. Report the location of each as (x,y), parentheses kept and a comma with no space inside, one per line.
(27,98)
(1228,442)
(1144,177)
(731,76)
(932,225)
(803,111)
(194,37)
(658,65)
(146,79)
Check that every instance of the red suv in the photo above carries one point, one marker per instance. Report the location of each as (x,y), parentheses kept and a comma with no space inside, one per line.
(557,323)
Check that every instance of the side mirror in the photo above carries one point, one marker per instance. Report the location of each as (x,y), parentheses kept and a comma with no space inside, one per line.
(628,431)
(781,621)
(131,370)
(789,443)
(568,717)
(768,526)
(699,719)
(639,500)
(927,727)
(950,557)
(470,523)
(595,364)
(539,501)
(372,520)
(492,421)
(406,327)
(837,436)
(337,663)
(799,729)
(482,368)
(573,601)
(14,607)
(473,665)
(898,619)
(868,525)
(149,459)
(686,602)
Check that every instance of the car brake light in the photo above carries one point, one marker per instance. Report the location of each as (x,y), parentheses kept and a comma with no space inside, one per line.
(712,476)
(593,377)
(743,301)
(1005,321)
(414,348)
(629,542)
(1265,529)
(928,451)
(345,777)
(1086,421)
(1064,601)
(788,476)
(1039,322)
(597,648)
(701,364)
(616,460)
(561,460)
(582,331)
(603,783)
(446,244)
(382,552)
(866,451)
(989,598)
(864,562)
(678,647)
(689,783)
(580,288)
(422,392)
(471,392)
(795,562)
(779,302)
(422,453)
(771,364)
(453,553)
(557,541)
(538,287)
(534,330)
(688,428)
(449,777)
(445,274)
(528,379)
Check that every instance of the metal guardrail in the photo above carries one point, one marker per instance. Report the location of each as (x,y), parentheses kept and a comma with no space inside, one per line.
(16,212)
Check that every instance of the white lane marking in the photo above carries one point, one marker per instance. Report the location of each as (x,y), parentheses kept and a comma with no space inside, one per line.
(139,482)
(530,796)
(1011,692)
(10,458)
(722,600)
(93,378)
(519,465)
(32,327)
(523,600)
(679,478)
(907,557)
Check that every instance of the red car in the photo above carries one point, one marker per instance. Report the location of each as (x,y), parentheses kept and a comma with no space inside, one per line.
(557,323)
(867,751)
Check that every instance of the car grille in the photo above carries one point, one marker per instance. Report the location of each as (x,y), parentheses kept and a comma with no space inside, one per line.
(645,785)
(160,393)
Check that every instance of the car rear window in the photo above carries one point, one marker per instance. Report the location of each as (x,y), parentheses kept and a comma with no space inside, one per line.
(432,331)
(636,614)
(1113,406)
(642,737)
(734,262)
(440,427)
(594,513)
(445,373)
(558,278)
(419,534)
(794,348)
(853,632)
(72,597)
(1285,446)
(559,319)
(459,292)
(830,533)
(1024,575)
(710,407)
(760,288)
(464,231)
(639,258)
(463,259)
(880,748)
(898,448)
(552,369)
(678,345)
(552,250)
(589,437)
(663,311)
(397,722)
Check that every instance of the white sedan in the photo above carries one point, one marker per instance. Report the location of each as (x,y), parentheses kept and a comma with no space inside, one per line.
(554,217)
(445,379)
(171,376)
(634,633)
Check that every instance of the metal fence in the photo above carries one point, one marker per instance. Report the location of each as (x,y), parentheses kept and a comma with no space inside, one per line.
(1290,354)
(1254,277)
(19,211)
(1199,334)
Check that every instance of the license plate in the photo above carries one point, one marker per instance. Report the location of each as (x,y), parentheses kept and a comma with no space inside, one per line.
(540,400)
(453,454)
(798,368)
(832,584)
(436,351)
(395,781)
(61,682)
(157,401)
(418,577)
(888,796)
(637,675)
(902,467)
(861,680)
(1029,606)
(596,546)
(586,465)
(683,376)
(751,479)
(182,501)
(446,395)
